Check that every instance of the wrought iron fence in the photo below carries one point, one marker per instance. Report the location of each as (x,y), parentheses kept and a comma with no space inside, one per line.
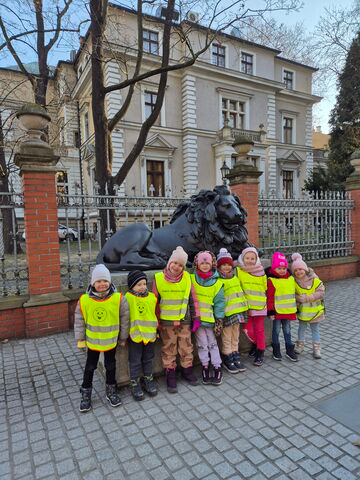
(80,217)
(13,266)
(318,226)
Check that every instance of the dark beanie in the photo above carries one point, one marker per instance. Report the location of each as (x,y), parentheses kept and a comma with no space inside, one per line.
(135,277)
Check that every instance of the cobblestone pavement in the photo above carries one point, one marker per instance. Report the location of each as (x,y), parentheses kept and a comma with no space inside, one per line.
(262,424)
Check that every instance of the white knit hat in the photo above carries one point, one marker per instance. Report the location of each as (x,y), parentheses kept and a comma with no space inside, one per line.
(298,262)
(178,255)
(100,272)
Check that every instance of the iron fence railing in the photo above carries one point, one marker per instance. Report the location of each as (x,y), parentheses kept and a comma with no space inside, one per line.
(318,226)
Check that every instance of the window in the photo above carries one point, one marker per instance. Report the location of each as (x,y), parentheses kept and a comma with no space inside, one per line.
(151,42)
(247,63)
(149,104)
(218,55)
(86,126)
(288,78)
(62,186)
(234,112)
(288,183)
(288,130)
(77,139)
(155,178)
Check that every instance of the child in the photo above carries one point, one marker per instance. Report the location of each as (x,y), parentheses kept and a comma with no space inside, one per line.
(253,281)
(310,292)
(210,292)
(96,326)
(142,333)
(281,304)
(177,307)
(235,305)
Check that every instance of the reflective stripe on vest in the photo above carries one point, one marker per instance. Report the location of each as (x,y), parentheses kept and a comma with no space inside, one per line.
(206,297)
(254,289)
(285,301)
(311,310)
(174,297)
(143,321)
(101,321)
(235,300)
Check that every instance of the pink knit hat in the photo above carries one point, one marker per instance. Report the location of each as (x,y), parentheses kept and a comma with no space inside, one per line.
(248,250)
(279,261)
(178,255)
(205,257)
(224,257)
(298,263)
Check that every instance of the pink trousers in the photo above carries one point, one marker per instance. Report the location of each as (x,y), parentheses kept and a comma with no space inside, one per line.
(255,331)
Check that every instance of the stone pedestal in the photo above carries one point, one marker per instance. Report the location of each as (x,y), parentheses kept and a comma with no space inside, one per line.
(353,186)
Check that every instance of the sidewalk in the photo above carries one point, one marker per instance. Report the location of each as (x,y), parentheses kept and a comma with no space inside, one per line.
(263,424)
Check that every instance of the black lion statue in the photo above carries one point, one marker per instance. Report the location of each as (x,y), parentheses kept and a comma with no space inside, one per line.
(208,221)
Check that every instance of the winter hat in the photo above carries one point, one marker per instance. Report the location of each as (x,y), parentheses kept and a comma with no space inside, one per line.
(205,257)
(134,277)
(279,261)
(298,262)
(245,251)
(178,255)
(224,257)
(100,272)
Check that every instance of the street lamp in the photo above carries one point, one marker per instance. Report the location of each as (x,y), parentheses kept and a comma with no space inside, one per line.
(225,170)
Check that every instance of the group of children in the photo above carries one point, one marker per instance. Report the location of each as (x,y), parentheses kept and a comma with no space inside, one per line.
(212,302)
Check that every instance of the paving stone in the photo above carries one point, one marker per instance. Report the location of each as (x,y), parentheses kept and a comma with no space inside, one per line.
(343,474)
(246,469)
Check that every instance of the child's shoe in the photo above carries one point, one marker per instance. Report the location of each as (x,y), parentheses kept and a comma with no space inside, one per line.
(238,363)
(228,361)
(299,347)
(316,350)
(217,378)
(85,403)
(206,378)
(188,374)
(136,389)
(259,358)
(171,380)
(253,350)
(290,354)
(150,386)
(276,353)
(112,395)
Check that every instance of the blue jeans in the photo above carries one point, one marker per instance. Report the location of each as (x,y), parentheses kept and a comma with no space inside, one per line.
(285,324)
(315,331)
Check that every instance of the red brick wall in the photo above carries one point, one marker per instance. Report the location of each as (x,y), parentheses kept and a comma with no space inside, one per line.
(12,323)
(355,222)
(248,194)
(328,273)
(46,319)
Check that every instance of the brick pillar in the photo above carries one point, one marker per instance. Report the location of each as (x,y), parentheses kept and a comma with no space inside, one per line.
(353,186)
(244,182)
(46,311)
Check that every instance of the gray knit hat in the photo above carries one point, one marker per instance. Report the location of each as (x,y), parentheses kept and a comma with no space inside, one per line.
(100,272)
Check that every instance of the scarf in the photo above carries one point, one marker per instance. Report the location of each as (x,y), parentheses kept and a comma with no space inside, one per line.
(203,275)
(170,277)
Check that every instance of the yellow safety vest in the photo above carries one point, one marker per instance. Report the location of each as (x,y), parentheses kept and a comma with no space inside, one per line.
(311,310)
(235,300)
(285,301)
(174,297)
(254,289)
(102,321)
(206,297)
(143,321)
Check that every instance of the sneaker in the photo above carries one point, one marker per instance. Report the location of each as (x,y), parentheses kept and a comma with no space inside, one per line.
(188,375)
(171,380)
(253,350)
(299,347)
(228,361)
(316,350)
(259,358)
(206,378)
(150,386)
(276,353)
(217,378)
(238,363)
(112,396)
(85,403)
(136,390)
(290,354)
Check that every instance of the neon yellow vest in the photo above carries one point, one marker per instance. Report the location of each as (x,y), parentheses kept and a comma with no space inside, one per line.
(102,321)
(254,289)
(143,321)
(235,300)
(311,310)
(174,297)
(206,297)
(284,295)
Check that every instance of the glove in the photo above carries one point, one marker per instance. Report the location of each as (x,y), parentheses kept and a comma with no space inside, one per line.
(122,343)
(218,327)
(196,325)
(81,344)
